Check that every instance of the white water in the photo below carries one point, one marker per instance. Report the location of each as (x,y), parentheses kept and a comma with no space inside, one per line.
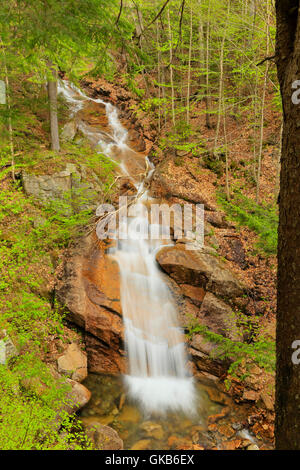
(157,374)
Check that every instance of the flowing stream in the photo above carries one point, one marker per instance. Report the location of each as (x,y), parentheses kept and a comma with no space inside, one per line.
(157,377)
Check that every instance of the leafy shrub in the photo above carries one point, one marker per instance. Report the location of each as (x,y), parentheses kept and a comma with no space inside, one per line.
(32,415)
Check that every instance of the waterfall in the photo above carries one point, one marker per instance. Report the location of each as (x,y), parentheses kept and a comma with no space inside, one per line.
(157,374)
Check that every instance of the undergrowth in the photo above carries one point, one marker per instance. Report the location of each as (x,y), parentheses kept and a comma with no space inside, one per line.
(259,348)
(33,235)
(262,219)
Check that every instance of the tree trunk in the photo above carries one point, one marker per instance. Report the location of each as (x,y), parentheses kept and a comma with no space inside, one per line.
(221,81)
(287,425)
(158,75)
(207,59)
(52,95)
(10,128)
(263,100)
(171,69)
(189,69)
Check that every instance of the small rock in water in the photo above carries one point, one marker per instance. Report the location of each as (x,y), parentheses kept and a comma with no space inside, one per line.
(115,412)
(153,430)
(237,426)
(143,444)
(231,445)
(226,430)
(129,413)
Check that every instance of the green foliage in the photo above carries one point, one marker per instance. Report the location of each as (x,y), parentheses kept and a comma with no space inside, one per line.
(214,164)
(260,350)
(33,409)
(262,219)
(31,236)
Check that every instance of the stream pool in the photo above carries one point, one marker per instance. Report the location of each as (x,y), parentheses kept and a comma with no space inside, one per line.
(110,406)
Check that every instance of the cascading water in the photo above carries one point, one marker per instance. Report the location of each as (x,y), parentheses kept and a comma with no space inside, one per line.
(157,374)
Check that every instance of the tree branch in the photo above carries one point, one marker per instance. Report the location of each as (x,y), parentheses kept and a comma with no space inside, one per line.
(265,59)
(158,14)
(120,12)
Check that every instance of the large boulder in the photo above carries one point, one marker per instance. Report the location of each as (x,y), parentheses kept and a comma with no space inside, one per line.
(73,363)
(102,437)
(69,188)
(89,289)
(78,397)
(199,268)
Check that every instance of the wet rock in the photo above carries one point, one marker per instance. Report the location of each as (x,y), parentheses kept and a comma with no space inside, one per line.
(129,414)
(103,358)
(73,363)
(122,401)
(199,268)
(175,442)
(231,445)
(103,437)
(94,114)
(135,141)
(195,294)
(143,444)
(152,430)
(89,290)
(226,430)
(184,266)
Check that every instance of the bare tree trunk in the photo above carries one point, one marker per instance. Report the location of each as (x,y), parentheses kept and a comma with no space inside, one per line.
(277,185)
(52,95)
(227,190)
(207,101)
(221,80)
(158,75)
(263,100)
(171,70)
(189,70)
(287,407)
(255,106)
(10,128)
